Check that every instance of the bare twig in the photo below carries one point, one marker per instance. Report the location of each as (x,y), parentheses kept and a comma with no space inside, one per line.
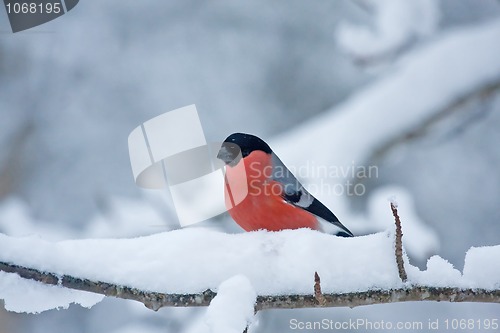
(317,290)
(156,300)
(399,244)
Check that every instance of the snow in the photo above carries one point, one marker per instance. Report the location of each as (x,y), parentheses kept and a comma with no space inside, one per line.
(439,273)
(232,310)
(14,209)
(481,270)
(420,240)
(396,23)
(245,73)
(195,259)
(482,267)
(402,100)
(122,218)
(22,295)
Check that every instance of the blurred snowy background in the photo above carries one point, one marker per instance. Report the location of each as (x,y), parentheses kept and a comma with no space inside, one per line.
(410,87)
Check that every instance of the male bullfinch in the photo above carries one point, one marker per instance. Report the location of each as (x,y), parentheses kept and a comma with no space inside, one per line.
(261,193)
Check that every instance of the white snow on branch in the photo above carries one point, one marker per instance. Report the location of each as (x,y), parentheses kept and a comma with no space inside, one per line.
(232,310)
(439,273)
(195,259)
(22,295)
(479,270)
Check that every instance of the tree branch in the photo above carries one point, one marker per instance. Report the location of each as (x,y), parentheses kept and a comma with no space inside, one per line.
(317,290)
(399,244)
(151,300)
(369,297)
(156,300)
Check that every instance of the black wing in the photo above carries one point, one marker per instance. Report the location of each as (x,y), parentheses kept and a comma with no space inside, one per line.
(297,195)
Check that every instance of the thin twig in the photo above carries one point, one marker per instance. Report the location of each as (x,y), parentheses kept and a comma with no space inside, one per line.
(399,244)
(317,290)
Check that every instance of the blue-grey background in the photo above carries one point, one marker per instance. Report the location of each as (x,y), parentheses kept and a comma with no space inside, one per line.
(73,89)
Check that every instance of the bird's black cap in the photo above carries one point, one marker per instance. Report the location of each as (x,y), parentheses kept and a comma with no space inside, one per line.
(248,143)
(242,143)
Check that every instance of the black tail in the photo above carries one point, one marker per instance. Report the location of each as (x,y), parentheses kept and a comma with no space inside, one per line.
(318,209)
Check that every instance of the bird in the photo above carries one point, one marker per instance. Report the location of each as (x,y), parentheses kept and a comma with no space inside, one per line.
(262,193)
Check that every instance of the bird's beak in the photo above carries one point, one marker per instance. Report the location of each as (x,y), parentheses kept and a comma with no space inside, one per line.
(229,153)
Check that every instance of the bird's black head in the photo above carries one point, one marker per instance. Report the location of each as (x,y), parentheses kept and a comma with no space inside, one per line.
(240,144)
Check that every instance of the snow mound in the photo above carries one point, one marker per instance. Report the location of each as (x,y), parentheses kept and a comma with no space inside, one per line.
(232,310)
(482,267)
(439,273)
(22,295)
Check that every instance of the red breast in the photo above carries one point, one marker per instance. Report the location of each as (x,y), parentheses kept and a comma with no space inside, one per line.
(254,200)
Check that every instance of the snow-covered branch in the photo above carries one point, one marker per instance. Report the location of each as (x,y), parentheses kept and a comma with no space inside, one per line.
(370,297)
(369,276)
(407,96)
(156,300)
(151,300)
(235,300)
